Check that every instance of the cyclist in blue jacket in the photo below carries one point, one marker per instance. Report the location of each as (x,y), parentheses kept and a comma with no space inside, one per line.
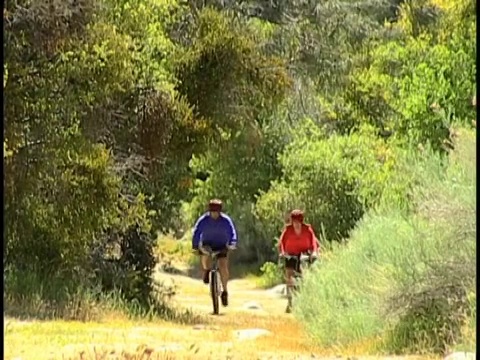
(216,230)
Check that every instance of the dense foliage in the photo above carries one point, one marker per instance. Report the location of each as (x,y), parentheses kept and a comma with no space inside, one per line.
(407,278)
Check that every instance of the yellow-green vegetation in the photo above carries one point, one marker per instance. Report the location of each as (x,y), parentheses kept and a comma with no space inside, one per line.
(406,276)
(270,276)
(122,338)
(171,251)
(176,255)
(113,336)
(123,117)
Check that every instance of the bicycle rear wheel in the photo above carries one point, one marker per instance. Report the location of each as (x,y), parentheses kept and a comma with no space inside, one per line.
(291,290)
(214,292)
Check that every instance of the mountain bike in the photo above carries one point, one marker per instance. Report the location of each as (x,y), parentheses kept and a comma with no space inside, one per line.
(297,274)
(215,284)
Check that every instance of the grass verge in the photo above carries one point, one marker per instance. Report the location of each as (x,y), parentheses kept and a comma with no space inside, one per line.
(405,278)
(28,296)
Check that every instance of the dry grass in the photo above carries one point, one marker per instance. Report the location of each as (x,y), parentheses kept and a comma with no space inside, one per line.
(120,338)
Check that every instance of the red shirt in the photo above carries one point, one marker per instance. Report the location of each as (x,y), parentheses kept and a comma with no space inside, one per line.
(294,244)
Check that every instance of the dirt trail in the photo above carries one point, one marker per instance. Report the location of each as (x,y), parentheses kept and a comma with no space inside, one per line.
(252,311)
(192,293)
(250,308)
(261,311)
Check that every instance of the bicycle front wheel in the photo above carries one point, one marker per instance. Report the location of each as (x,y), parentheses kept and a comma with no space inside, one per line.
(214,293)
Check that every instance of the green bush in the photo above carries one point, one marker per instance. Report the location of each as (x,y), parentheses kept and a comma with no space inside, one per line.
(419,88)
(333,179)
(27,294)
(76,196)
(271,275)
(258,162)
(125,263)
(404,276)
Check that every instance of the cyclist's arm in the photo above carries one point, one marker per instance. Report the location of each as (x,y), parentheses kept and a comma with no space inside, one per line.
(314,241)
(232,232)
(197,231)
(281,242)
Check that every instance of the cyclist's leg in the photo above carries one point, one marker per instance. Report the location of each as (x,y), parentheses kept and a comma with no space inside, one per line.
(223,269)
(205,267)
(290,265)
(224,274)
(298,266)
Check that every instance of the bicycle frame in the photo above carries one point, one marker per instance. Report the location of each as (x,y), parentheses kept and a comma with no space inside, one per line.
(302,258)
(215,286)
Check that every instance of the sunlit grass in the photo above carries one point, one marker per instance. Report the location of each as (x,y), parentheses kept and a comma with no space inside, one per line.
(403,277)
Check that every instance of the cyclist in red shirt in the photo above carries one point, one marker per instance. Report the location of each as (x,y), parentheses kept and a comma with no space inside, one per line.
(297,238)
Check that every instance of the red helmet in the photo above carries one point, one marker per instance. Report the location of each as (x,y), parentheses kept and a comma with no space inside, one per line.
(215,205)
(296,215)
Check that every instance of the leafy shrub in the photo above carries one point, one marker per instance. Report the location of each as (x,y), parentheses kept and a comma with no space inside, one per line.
(333,179)
(225,66)
(271,275)
(258,162)
(406,275)
(418,89)
(28,294)
(54,235)
(435,305)
(125,263)
(235,85)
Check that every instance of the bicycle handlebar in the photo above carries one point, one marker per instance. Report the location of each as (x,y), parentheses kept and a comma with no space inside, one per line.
(207,250)
(303,256)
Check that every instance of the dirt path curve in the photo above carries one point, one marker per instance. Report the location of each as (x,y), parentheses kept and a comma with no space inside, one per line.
(226,337)
(250,311)
(192,293)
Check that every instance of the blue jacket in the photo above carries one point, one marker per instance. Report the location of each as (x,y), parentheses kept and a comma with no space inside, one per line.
(216,233)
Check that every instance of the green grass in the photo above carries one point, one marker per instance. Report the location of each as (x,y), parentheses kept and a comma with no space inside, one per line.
(405,277)
(28,296)
(173,252)
(271,275)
